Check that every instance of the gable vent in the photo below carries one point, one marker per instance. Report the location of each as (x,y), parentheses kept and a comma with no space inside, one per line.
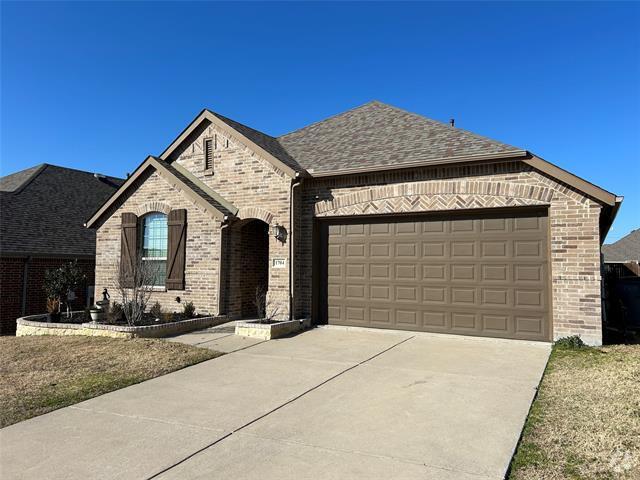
(208,154)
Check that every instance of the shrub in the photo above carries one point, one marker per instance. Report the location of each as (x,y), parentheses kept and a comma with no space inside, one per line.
(570,342)
(60,282)
(116,313)
(156,310)
(189,310)
(53,305)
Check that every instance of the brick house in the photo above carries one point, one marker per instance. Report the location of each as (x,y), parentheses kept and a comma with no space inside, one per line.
(376,217)
(42,211)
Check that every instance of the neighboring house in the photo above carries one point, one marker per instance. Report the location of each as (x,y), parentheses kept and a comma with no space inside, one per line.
(622,258)
(376,217)
(42,212)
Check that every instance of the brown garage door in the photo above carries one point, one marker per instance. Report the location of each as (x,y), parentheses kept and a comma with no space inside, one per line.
(472,274)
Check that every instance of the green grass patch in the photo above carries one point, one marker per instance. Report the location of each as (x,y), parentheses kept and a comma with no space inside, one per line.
(585,420)
(44,373)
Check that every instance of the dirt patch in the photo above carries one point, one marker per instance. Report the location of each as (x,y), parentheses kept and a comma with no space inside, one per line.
(40,374)
(585,422)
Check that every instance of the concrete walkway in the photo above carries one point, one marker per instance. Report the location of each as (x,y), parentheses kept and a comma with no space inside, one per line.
(326,404)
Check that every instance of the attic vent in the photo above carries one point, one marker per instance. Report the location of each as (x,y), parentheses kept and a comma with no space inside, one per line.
(208,154)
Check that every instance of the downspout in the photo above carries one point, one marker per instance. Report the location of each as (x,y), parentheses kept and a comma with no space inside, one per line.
(295,183)
(223,225)
(25,273)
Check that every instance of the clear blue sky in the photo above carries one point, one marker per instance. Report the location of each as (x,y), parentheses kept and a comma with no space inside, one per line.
(98,86)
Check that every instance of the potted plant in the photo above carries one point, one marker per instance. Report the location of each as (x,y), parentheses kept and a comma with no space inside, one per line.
(97,314)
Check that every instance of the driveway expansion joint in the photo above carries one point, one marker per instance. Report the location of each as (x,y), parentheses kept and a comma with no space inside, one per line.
(251,422)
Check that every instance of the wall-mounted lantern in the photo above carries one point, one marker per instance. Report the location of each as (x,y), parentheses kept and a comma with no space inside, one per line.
(279,232)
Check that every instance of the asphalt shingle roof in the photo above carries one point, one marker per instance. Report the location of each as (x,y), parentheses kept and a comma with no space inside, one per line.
(267,142)
(198,189)
(43,212)
(624,250)
(372,135)
(379,135)
(15,181)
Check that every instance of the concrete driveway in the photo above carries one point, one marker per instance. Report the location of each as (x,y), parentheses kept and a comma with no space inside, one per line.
(326,404)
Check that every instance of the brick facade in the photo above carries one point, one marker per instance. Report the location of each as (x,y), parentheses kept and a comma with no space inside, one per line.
(574,224)
(11,287)
(259,191)
(217,252)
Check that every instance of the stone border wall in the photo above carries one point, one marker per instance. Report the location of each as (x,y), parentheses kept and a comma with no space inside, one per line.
(268,331)
(32,325)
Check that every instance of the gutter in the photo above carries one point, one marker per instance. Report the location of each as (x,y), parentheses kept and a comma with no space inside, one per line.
(515,154)
(223,225)
(25,274)
(296,182)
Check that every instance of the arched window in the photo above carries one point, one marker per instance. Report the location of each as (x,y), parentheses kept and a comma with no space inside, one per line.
(153,246)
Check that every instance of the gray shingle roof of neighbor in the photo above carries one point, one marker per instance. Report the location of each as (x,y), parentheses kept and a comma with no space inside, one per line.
(624,250)
(15,181)
(43,209)
(379,135)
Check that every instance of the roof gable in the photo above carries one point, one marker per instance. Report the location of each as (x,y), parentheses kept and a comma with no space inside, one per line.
(261,143)
(199,193)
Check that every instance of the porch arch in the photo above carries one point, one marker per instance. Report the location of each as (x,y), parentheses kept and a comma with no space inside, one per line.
(257,213)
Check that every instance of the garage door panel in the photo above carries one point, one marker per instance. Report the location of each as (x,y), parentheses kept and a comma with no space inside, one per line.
(434,250)
(406,272)
(463,272)
(492,273)
(380,250)
(463,249)
(434,273)
(435,295)
(477,274)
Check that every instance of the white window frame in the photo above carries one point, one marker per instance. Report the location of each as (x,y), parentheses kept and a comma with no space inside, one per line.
(157,288)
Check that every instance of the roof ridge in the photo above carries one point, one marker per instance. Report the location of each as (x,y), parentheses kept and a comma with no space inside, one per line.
(447,126)
(370,102)
(82,171)
(32,176)
(225,118)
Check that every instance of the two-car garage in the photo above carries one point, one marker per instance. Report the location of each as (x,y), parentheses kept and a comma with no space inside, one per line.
(467,273)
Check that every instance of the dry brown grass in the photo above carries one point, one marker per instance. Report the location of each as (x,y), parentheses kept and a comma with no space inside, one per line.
(40,374)
(585,422)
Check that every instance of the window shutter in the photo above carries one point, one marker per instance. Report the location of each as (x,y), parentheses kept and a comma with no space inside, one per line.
(177,224)
(128,247)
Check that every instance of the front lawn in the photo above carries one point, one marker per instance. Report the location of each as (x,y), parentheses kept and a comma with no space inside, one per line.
(42,373)
(585,422)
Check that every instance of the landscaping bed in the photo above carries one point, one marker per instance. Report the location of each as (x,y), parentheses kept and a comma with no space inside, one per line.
(43,373)
(266,329)
(38,325)
(585,421)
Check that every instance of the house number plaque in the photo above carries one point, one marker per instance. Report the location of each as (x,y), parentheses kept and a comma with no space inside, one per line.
(279,262)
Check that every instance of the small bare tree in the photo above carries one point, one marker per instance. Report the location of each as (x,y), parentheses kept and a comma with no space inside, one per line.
(267,311)
(136,287)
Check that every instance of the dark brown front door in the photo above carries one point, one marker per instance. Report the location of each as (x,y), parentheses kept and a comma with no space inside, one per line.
(475,274)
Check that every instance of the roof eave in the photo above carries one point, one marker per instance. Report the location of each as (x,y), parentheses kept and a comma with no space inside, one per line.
(584,186)
(511,154)
(151,161)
